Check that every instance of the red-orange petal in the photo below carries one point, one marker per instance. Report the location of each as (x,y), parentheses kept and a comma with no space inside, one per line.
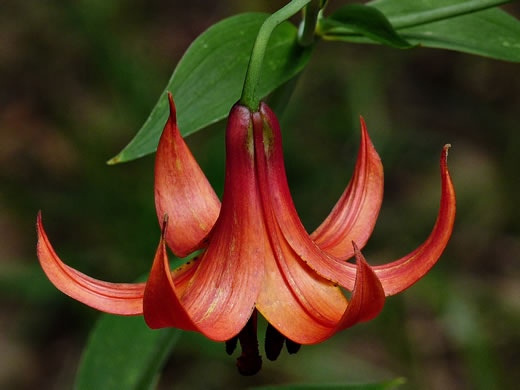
(221,295)
(280,306)
(368,295)
(298,302)
(354,216)
(115,298)
(161,303)
(396,276)
(401,274)
(182,191)
(285,282)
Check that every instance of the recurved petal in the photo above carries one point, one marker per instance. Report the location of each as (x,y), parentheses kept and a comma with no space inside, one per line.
(161,303)
(182,191)
(354,216)
(396,276)
(221,295)
(203,308)
(368,296)
(306,308)
(280,307)
(300,304)
(115,298)
(401,274)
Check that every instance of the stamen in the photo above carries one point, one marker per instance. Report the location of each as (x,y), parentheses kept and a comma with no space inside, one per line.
(273,342)
(250,362)
(231,345)
(292,347)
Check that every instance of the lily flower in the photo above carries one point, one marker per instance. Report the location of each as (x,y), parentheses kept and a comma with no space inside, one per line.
(257,256)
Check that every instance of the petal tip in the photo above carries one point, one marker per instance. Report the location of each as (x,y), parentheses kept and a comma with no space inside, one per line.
(164,226)
(173,111)
(444,157)
(360,259)
(445,150)
(356,248)
(363,124)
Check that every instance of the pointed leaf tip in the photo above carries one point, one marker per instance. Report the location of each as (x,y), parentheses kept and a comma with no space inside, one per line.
(114,160)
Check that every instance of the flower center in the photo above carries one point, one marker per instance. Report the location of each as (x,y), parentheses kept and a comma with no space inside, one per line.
(250,361)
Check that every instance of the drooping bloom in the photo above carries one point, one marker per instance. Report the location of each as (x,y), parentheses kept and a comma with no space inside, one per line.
(257,256)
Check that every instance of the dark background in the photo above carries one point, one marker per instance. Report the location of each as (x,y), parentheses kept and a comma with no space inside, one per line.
(79,78)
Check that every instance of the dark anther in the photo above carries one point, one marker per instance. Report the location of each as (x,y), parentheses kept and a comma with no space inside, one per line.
(231,345)
(250,362)
(273,342)
(292,347)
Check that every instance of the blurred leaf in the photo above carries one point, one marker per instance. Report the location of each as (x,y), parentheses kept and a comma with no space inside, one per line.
(123,353)
(490,33)
(208,79)
(364,20)
(387,385)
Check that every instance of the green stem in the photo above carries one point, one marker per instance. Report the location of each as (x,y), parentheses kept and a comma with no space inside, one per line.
(451,11)
(308,26)
(249,97)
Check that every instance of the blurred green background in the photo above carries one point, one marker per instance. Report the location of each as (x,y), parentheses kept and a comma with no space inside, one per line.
(79,78)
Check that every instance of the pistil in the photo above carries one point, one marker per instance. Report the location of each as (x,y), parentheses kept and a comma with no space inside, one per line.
(250,361)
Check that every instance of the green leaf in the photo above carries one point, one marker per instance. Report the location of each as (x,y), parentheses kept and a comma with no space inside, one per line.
(364,20)
(123,353)
(490,33)
(387,385)
(208,79)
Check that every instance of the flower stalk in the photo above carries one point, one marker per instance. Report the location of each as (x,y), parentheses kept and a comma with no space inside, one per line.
(307,30)
(256,255)
(249,97)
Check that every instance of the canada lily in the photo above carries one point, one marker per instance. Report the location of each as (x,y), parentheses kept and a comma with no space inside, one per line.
(257,254)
